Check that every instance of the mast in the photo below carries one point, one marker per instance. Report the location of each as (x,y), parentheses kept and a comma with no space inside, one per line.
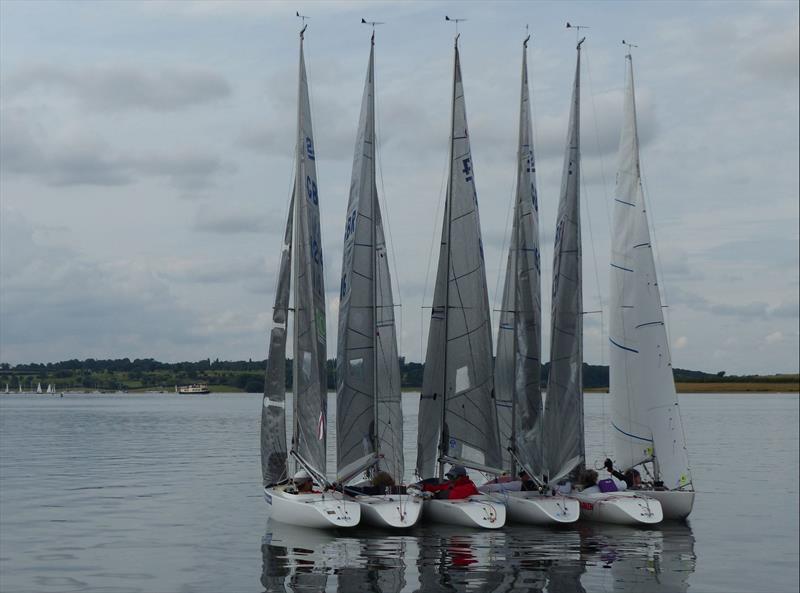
(374,248)
(296,235)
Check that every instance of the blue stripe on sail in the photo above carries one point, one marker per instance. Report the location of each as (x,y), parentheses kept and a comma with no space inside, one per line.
(506,326)
(650,323)
(641,245)
(633,436)
(503,404)
(624,202)
(621,268)
(623,347)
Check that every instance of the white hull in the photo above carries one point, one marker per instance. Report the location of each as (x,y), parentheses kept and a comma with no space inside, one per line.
(539,509)
(675,504)
(321,511)
(476,511)
(390,510)
(619,508)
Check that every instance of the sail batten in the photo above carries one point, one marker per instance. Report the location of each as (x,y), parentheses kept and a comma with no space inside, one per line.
(563,429)
(645,413)
(369,414)
(457,412)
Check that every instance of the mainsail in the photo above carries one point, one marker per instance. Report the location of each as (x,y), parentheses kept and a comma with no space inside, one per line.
(645,412)
(563,418)
(517,371)
(303,243)
(457,412)
(369,418)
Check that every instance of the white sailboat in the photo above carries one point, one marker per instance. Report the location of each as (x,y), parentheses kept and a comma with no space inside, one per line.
(38,388)
(302,242)
(369,415)
(458,422)
(645,414)
(564,443)
(517,371)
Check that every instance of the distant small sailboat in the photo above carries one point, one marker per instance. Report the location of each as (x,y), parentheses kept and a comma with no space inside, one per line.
(645,415)
(564,440)
(39,388)
(457,416)
(303,243)
(6,387)
(517,369)
(369,416)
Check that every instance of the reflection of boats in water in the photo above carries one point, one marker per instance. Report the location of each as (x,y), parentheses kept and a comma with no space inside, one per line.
(641,561)
(439,558)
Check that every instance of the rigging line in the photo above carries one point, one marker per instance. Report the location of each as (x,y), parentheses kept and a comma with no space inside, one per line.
(511,207)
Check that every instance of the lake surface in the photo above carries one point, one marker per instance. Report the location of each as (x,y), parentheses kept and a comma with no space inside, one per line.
(158,493)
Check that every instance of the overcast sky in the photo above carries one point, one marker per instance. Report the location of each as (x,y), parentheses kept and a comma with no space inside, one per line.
(147,164)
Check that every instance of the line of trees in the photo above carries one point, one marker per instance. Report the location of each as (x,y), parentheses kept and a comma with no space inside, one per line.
(147,373)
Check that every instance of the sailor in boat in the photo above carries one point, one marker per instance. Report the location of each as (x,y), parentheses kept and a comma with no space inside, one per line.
(506,482)
(457,486)
(632,478)
(302,484)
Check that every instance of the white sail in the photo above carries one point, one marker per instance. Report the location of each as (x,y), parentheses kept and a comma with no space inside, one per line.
(563,417)
(645,412)
(274,468)
(303,244)
(457,411)
(38,388)
(517,371)
(310,373)
(368,410)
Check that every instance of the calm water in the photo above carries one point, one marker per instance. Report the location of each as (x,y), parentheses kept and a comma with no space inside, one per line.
(162,493)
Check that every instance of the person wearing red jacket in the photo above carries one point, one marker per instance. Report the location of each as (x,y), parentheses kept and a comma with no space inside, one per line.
(458,485)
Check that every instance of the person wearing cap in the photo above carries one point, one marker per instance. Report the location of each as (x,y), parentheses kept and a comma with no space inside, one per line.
(302,482)
(458,485)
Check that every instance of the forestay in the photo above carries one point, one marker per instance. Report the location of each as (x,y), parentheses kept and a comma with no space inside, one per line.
(563,418)
(368,369)
(457,412)
(517,367)
(645,412)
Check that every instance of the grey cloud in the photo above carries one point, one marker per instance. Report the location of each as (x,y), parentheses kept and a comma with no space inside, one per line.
(28,150)
(210,271)
(233,223)
(775,59)
(125,87)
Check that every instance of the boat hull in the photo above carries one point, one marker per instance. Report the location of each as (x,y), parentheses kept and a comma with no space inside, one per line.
(397,511)
(619,508)
(476,511)
(317,510)
(533,508)
(675,504)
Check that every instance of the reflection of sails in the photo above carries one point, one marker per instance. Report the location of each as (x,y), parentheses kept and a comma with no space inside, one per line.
(385,560)
(297,553)
(539,561)
(451,561)
(642,561)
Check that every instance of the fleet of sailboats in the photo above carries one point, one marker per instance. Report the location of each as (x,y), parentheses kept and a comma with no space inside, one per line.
(483,414)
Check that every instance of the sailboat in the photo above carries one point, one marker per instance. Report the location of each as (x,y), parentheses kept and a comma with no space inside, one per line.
(6,387)
(458,423)
(564,442)
(302,243)
(369,416)
(38,388)
(645,414)
(517,371)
